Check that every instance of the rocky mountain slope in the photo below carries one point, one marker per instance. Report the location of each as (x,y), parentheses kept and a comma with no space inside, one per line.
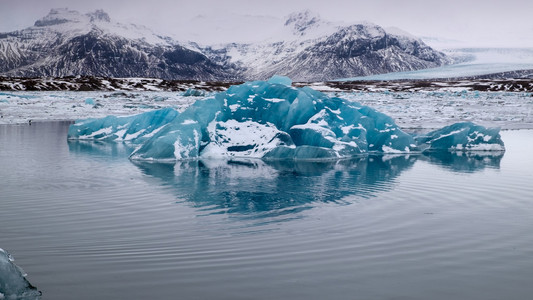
(306,48)
(66,43)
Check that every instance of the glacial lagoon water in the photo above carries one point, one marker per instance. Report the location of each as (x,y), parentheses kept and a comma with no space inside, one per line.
(87,223)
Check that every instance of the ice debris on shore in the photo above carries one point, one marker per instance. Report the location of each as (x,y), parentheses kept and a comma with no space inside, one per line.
(13,282)
(272,120)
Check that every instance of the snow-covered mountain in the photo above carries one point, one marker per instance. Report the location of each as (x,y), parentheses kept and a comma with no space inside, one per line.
(308,48)
(66,42)
(304,47)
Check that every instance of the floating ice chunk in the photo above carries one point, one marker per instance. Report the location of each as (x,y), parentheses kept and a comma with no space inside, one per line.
(89,101)
(13,282)
(465,136)
(194,93)
(300,124)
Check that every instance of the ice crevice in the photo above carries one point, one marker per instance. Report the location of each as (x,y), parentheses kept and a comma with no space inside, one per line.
(300,124)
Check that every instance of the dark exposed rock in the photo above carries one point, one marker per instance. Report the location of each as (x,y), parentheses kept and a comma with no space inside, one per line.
(89,83)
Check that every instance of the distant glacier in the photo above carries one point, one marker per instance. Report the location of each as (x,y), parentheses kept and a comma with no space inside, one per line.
(473,63)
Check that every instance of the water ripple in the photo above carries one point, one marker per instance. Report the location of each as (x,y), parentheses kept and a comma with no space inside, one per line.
(379,227)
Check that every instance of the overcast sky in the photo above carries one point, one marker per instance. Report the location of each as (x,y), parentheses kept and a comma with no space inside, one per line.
(476,22)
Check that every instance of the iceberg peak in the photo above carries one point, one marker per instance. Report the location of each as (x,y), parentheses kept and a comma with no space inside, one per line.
(278,79)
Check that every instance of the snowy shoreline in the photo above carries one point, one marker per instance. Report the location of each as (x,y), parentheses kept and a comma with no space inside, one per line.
(515,81)
(411,110)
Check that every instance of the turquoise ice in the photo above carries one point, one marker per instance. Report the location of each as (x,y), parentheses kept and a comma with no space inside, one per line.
(194,93)
(464,136)
(273,120)
(13,283)
(135,129)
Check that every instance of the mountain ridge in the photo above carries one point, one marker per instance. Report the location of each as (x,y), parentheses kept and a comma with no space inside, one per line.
(308,48)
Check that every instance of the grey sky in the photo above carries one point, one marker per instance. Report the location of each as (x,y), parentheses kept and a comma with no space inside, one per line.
(483,23)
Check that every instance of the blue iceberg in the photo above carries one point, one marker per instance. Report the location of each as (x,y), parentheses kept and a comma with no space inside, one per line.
(13,282)
(274,121)
(464,136)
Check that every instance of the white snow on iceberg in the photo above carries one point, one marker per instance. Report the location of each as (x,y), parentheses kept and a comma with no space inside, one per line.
(271,120)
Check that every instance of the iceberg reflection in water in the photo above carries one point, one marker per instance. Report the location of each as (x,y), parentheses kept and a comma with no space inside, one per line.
(82,215)
(273,188)
(465,162)
(253,186)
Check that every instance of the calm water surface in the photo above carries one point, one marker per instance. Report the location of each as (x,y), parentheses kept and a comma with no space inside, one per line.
(86,223)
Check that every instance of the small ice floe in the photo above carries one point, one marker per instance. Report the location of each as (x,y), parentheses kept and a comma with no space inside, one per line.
(13,282)
(464,136)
